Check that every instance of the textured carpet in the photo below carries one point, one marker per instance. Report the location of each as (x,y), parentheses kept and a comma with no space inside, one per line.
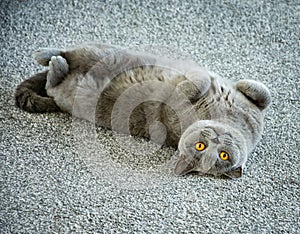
(59,174)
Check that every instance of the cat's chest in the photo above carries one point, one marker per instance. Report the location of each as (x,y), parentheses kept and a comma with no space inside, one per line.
(221,102)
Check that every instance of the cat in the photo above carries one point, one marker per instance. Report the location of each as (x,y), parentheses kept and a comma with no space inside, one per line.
(213,122)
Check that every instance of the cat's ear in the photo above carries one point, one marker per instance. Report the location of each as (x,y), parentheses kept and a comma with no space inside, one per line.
(257,92)
(235,173)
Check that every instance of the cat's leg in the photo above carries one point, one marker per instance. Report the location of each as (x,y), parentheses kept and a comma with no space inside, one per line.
(85,57)
(196,84)
(44,55)
(256,92)
(58,69)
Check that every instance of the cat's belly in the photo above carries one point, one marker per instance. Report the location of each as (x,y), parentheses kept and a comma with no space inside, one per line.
(78,95)
(133,102)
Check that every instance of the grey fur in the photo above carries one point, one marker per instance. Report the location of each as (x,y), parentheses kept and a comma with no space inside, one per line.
(43,55)
(58,69)
(31,95)
(172,102)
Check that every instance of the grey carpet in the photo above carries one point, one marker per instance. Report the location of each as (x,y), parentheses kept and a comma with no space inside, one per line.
(58,174)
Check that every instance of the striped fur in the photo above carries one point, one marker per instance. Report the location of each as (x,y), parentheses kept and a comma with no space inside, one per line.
(31,95)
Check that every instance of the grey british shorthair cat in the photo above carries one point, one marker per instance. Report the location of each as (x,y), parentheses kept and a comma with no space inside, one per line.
(213,122)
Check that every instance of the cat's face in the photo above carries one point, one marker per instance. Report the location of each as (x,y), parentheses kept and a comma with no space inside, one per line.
(210,147)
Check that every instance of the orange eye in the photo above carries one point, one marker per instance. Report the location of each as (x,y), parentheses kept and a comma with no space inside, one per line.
(200,146)
(224,155)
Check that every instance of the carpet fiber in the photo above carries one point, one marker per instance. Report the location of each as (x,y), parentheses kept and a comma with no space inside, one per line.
(59,174)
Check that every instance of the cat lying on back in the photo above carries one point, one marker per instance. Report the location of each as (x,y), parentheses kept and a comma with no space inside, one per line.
(214,123)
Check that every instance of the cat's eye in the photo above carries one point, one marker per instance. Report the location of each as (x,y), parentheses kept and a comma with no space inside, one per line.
(224,155)
(200,146)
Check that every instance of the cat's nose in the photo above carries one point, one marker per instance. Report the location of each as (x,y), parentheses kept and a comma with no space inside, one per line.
(215,140)
(184,165)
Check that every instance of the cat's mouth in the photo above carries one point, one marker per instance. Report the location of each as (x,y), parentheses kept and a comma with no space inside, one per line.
(184,165)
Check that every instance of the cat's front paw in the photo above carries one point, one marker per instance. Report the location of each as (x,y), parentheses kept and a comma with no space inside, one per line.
(44,55)
(196,84)
(188,89)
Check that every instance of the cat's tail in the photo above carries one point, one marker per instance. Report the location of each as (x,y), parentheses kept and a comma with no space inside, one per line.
(31,95)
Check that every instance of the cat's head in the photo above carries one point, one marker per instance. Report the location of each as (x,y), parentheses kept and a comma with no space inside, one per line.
(210,147)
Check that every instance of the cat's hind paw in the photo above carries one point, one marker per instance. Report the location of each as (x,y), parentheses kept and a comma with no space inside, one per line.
(44,55)
(58,69)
